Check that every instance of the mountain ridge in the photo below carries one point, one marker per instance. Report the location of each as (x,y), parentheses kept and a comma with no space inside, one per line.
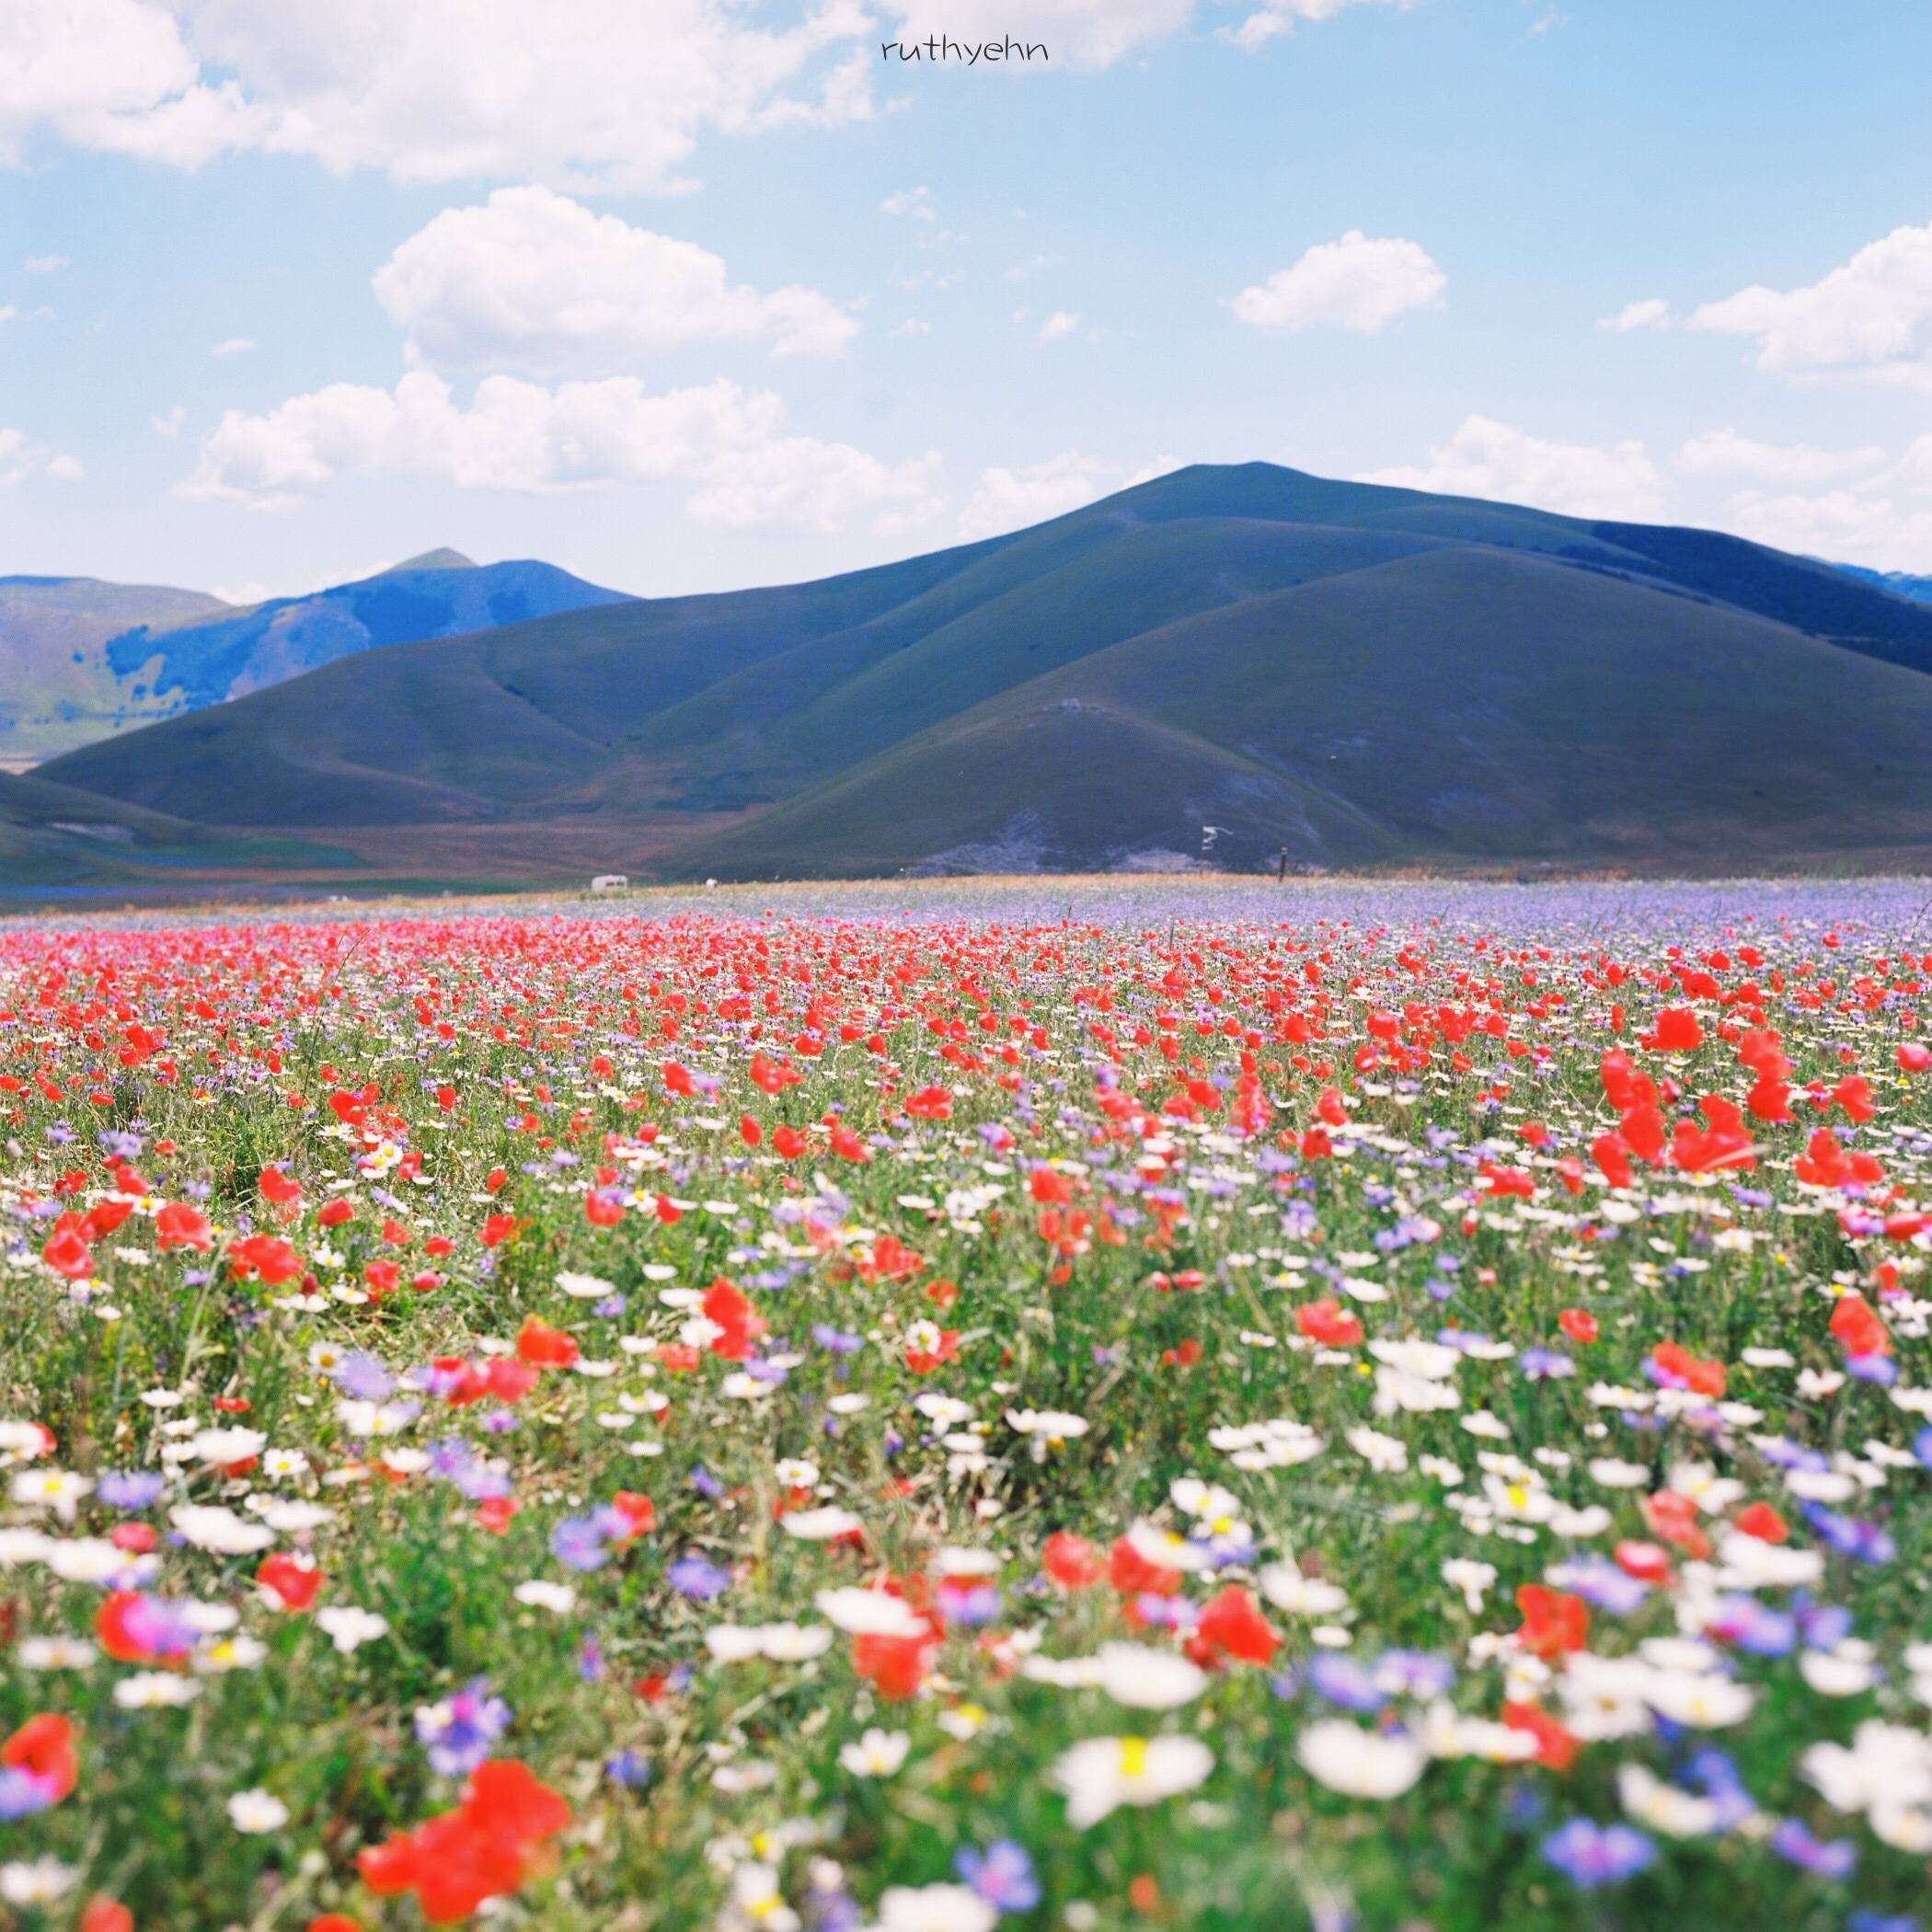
(84,659)
(1094,690)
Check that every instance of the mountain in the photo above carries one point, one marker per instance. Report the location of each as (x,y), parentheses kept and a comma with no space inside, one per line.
(438,594)
(1369,676)
(81,660)
(56,690)
(1899,582)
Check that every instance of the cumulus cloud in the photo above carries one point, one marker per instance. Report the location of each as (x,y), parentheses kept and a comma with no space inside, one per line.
(1877,512)
(727,443)
(1355,284)
(21,457)
(1652,313)
(1724,453)
(575,93)
(586,95)
(532,280)
(1274,17)
(1869,320)
(115,75)
(1012,499)
(46,264)
(1060,323)
(797,483)
(1884,530)
(1487,458)
(233,345)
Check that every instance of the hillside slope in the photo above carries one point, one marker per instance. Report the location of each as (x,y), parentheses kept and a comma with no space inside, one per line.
(440,594)
(82,660)
(57,690)
(1462,705)
(1365,674)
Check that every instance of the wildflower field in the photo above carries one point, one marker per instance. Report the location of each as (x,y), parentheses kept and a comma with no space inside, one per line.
(1131,1406)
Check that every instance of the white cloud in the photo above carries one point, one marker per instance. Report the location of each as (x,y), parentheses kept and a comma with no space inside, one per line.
(1868,319)
(1724,453)
(171,424)
(1841,525)
(1061,322)
(599,96)
(913,326)
(1486,458)
(1012,499)
(1882,517)
(1356,283)
(797,483)
(233,345)
(1652,313)
(21,457)
(119,76)
(1274,17)
(1914,469)
(726,442)
(608,94)
(46,264)
(915,201)
(532,280)
(1090,33)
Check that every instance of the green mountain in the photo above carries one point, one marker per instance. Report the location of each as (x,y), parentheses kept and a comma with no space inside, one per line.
(1367,676)
(81,660)
(57,690)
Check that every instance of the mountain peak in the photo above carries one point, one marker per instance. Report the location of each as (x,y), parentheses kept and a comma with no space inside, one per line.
(443,559)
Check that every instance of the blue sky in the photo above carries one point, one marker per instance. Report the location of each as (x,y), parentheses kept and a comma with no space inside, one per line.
(686,295)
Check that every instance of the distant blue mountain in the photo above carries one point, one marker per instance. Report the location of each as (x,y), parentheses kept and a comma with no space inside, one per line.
(1899,582)
(438,594)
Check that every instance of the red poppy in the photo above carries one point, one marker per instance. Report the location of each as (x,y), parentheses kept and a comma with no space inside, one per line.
(1760,1520)
(1553,1621)
(1327,1322)
(543,1347)
(726,1308)
(44,1749)
(179,1225)
(1071,1561)
(1230,1623)
(1855,1327)
(280,1188)
(293,1584)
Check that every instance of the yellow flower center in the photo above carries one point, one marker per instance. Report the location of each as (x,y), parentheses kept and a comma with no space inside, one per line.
(1133,1757)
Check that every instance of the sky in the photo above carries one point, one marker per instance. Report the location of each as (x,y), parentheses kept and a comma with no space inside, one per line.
(691,295)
